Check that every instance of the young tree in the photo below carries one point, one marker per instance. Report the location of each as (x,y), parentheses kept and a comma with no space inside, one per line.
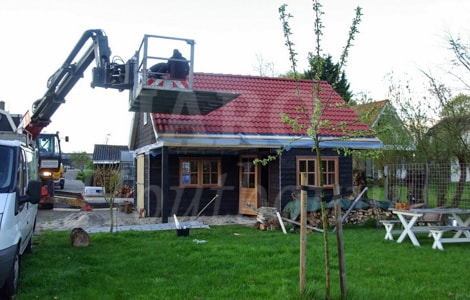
(109,177)
(310,120)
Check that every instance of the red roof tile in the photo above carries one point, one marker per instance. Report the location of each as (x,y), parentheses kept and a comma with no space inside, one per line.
(258,109)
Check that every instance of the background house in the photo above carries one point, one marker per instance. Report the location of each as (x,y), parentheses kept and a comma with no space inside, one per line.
(183,161)
(398,144)
(8,122)
(114,156)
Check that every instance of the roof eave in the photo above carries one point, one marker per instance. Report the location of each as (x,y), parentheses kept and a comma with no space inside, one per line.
(265,141)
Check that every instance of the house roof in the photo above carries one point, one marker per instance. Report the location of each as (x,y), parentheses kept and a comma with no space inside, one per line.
(383,118)
(108,153)
(253,119)
(370,112)
(257,111)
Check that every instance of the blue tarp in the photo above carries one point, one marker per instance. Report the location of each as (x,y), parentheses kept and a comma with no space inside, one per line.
(293,207)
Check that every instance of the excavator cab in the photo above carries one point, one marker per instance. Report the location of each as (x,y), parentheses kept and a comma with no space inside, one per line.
(50,161)
(48,145)
(164,80)
(50,156)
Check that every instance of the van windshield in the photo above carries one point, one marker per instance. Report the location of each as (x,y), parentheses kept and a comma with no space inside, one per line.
(6,168)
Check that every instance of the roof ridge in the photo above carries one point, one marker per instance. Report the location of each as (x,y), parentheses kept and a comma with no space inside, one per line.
(255,77)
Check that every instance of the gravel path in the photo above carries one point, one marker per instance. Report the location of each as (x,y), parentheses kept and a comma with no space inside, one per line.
(67,219)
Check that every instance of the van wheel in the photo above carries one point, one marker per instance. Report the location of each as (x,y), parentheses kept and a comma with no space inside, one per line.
(10,288)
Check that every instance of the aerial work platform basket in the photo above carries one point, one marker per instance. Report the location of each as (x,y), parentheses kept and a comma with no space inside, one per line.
(166,84)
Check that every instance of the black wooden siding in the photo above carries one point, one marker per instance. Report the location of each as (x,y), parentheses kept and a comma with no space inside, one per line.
(278,179)
(190,201)
(288,176)
(273,183)
(144,135)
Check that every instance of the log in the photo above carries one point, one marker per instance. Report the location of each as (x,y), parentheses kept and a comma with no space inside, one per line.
(266,218)
(79,237)
(356,216)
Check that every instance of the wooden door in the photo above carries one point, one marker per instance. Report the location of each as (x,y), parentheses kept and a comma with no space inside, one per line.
(140,182)
(249,184)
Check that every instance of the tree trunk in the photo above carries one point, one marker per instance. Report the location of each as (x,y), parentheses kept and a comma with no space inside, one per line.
(111,214)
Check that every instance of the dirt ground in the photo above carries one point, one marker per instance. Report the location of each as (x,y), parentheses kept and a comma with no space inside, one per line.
(62,218)
(67,219)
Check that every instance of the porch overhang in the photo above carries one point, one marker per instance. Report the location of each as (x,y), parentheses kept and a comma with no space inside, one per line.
(264,141)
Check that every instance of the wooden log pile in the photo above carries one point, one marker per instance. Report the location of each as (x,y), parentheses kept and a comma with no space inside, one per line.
(356,216)
(266,218)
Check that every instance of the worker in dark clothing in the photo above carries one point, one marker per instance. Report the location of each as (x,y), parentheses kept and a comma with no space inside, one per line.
(178,66)
(158,70)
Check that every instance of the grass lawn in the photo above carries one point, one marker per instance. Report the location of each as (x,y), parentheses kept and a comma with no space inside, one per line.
(239,262)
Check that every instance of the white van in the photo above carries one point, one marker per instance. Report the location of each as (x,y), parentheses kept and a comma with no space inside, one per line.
(19,194)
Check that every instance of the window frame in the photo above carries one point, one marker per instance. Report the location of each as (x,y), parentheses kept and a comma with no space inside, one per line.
(200,172)
(327,185)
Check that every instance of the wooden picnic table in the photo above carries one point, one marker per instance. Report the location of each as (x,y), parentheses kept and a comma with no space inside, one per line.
(461,228)
(457,214)
(408,219)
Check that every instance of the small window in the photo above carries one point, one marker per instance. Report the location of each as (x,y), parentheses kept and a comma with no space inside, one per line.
(22,174)
(31,160)
(21,181)
(7,171)
(200,172)
(307,164)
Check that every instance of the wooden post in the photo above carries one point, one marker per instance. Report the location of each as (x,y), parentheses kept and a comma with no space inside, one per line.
(303,233)
(339,238)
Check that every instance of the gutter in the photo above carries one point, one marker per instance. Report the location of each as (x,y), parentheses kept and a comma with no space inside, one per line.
(266,141)
(242,141)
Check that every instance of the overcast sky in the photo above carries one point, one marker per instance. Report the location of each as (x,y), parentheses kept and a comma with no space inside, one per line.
(400,36)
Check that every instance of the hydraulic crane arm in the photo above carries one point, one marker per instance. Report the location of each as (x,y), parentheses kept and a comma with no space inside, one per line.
(169,94)
(107,73)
